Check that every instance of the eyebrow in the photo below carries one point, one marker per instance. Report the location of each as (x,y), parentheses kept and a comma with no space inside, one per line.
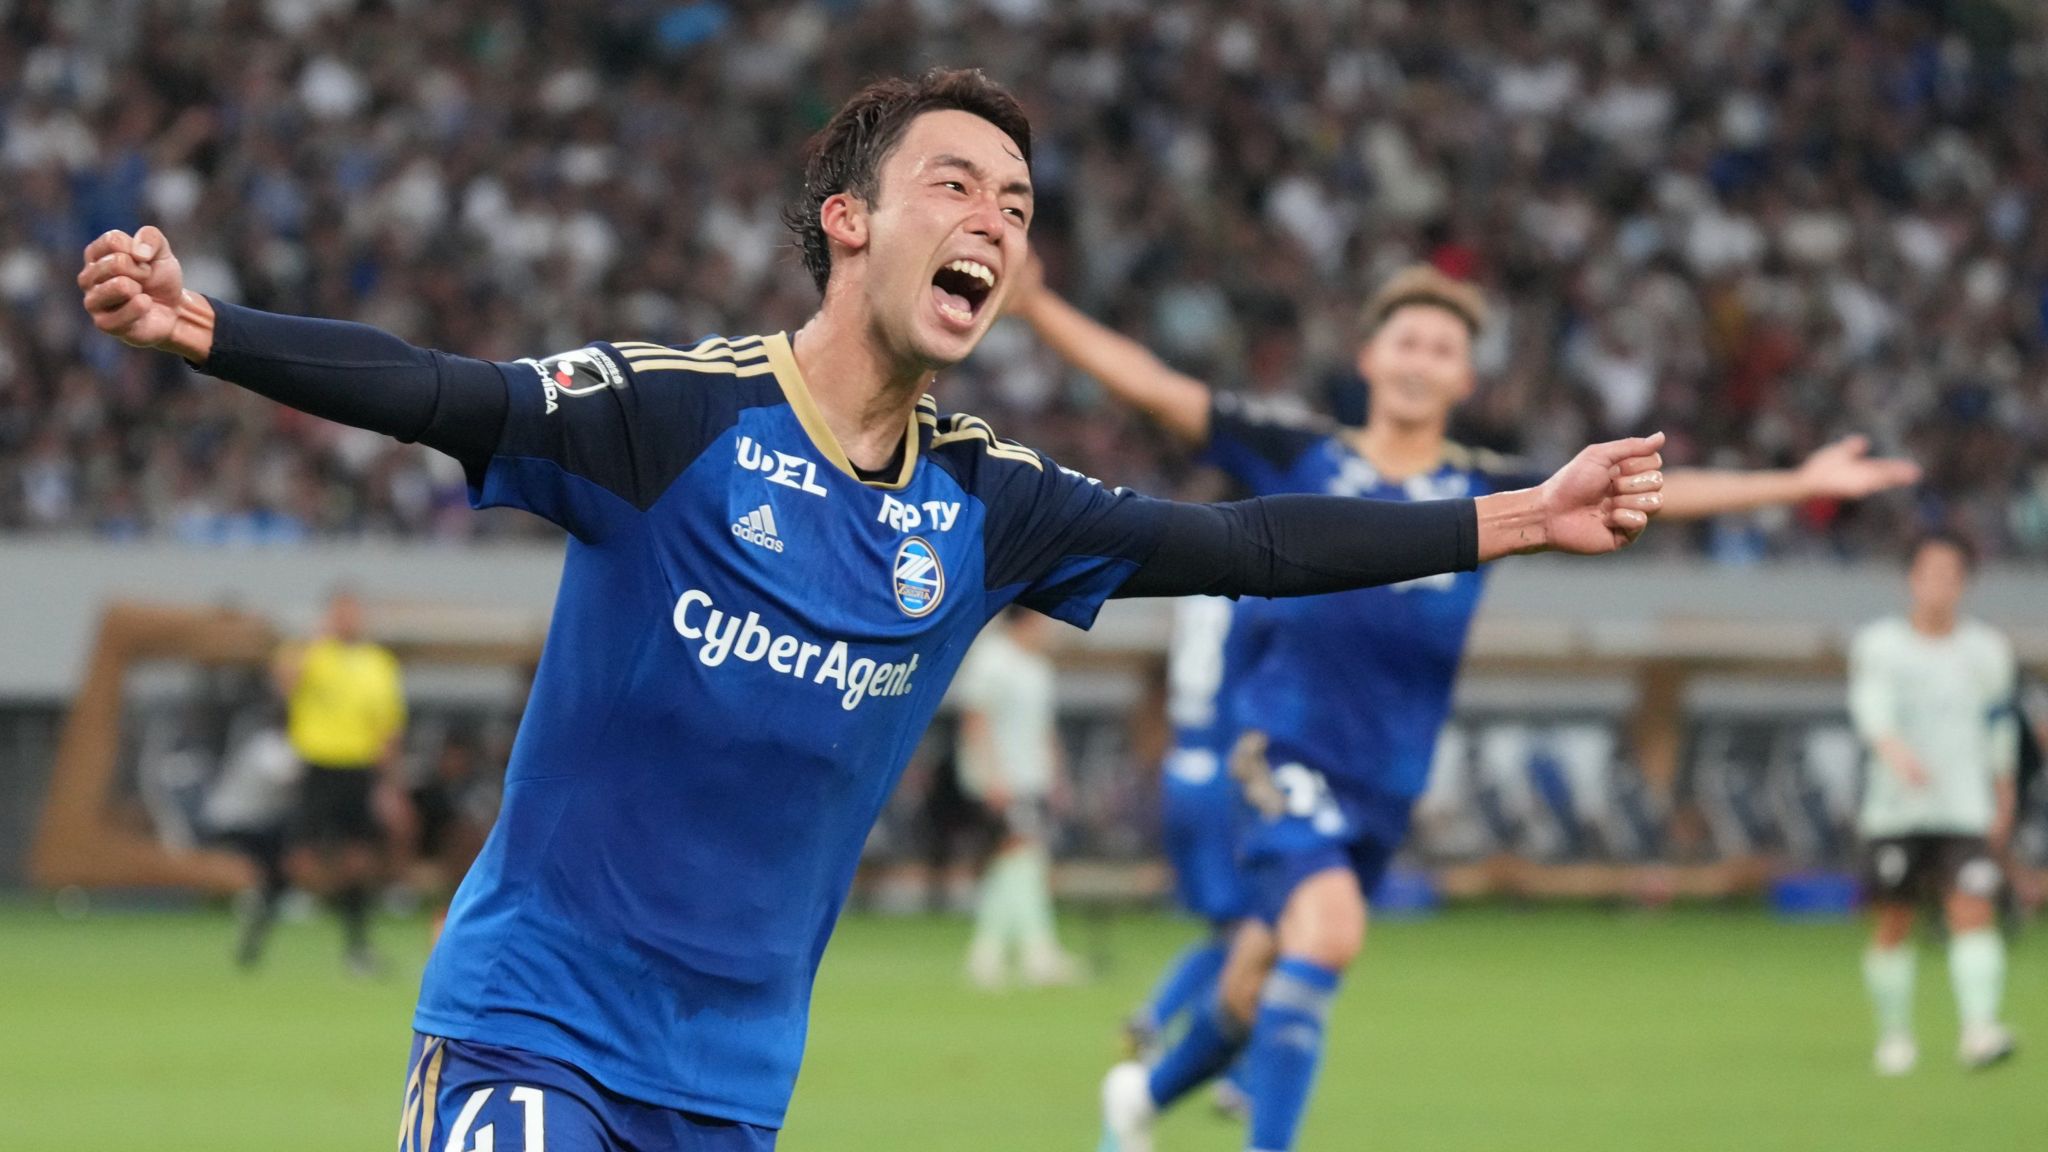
(948,160)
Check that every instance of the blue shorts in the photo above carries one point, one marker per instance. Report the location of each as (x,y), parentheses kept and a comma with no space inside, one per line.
(1325,825)
(457,1090)
(1203,815)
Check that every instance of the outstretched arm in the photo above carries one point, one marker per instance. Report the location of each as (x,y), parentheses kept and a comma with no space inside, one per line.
(1843,470)
(349,373)
(1060,543)
(1132,374)
(1306,545)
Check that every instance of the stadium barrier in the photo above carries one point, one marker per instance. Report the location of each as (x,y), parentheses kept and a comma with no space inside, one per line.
(1521,672)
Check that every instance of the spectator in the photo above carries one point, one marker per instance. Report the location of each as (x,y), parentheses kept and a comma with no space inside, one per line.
(1757,225)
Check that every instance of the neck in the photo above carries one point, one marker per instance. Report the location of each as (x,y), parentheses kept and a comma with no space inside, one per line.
(1400,450)
(864,392)
(1934,621)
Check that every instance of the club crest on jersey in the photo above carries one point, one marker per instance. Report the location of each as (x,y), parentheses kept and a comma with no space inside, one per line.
(576,373)
(920,580)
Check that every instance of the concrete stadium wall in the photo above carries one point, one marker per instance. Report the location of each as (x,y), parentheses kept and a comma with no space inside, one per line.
(55,590)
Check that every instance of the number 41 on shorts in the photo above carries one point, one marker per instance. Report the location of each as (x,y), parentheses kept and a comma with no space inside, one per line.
(465,1135)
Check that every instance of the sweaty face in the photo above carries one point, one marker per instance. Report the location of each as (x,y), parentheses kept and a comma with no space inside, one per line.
(1418,365)
(1937,578)
(946,231)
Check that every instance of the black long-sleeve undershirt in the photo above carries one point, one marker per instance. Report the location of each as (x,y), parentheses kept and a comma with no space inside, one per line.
(1272,546)
(364,377)
(1304,545)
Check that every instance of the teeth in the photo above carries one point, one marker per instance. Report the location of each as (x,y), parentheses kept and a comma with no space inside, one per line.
(976,269)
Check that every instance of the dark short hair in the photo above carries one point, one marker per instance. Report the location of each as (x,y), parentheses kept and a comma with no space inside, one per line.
(1945,537)
(847,153)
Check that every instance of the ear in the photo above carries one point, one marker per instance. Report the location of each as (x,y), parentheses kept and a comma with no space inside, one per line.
(1468,379)
(1365,356)
(845,220)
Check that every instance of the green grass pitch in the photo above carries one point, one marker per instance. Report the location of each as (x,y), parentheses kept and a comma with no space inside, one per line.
(1483,1028)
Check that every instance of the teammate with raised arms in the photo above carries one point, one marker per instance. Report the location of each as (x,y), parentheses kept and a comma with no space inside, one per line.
(1328,708)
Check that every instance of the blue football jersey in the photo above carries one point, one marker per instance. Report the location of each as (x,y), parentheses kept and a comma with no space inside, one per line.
(747,642)
(1357,684)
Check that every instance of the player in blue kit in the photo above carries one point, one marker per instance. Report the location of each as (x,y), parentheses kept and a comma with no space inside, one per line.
(1199,812)
(1198,803)
(1214,642)
(779,551)
(1331,711)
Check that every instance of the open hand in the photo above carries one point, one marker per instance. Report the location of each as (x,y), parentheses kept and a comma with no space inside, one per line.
(1905,763)
(1845,470)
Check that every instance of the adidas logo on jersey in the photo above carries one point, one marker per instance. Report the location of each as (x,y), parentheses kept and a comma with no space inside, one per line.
(758,527)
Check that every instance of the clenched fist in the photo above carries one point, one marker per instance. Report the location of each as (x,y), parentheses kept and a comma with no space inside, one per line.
(1599,502)
(1604,498)
(135,292)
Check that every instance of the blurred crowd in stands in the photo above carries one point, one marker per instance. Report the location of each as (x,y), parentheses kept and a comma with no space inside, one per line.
(1755,224)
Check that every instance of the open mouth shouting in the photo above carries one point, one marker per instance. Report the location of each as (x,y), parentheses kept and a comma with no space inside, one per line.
(960,289)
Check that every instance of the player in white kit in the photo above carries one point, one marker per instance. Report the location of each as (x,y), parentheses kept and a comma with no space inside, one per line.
(1931,694)
(1011,761)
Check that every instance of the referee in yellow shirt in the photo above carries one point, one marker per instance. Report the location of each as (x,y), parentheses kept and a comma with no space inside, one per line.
(345,705)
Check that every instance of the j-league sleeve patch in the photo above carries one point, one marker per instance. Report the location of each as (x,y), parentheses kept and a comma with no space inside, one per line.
(577,373)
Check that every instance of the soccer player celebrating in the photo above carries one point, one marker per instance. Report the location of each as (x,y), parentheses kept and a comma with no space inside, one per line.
(1331,706)
(778,553)
(1931,693)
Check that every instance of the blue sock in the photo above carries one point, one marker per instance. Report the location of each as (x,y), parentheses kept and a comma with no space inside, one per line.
(1286,1046)
(1190,979)
(1212,1041)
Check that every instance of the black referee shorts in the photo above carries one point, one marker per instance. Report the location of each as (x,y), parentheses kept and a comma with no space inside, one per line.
(334,808)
